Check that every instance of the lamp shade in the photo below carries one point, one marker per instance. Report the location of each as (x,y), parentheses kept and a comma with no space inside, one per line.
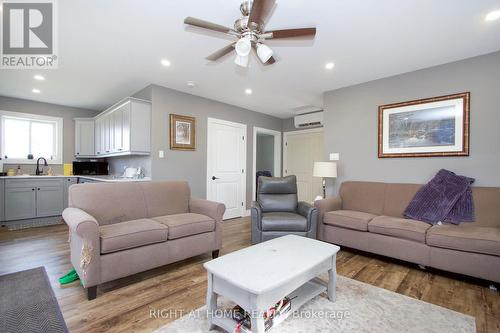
(325,169)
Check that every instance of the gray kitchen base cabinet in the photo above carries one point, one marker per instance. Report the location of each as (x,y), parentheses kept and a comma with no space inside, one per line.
(33,198)
(49,201)
(67,183)
(20,203)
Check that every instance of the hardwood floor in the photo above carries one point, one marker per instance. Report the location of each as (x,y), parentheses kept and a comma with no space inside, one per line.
(125,305)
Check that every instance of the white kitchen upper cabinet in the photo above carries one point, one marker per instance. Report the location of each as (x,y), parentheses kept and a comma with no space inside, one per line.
(97,137)
(123,129)
(84,137)
(107,134)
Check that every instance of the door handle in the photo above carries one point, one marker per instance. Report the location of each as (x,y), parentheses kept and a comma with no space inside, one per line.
(214,178)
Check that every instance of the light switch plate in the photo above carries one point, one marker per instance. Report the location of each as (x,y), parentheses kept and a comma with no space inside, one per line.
(334,156)
(161,154)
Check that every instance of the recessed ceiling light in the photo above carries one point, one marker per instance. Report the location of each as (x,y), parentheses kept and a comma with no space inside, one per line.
(330,65)
(492,16)
(191,84)
(36,91)
(39,77)
(248,91)
(165,62)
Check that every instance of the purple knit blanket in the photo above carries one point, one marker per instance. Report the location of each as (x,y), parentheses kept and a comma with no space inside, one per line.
(446,198)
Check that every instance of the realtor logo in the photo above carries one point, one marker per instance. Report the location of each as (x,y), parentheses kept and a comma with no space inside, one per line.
(28,34)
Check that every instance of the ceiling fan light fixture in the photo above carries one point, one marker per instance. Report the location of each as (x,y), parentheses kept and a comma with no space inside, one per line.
(242,60)
(264,52)
(243,47)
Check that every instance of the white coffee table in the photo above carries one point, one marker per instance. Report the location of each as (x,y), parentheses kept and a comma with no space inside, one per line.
(257,277)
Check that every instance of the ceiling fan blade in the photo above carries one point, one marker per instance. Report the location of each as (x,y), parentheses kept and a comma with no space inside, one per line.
(207,25)
(260,12)
(290,33)
(222,52)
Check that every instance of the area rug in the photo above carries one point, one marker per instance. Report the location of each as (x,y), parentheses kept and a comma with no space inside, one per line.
(28,303)
(359,307)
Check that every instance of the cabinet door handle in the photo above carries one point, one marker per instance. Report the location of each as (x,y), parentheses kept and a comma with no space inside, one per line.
(32,189)
(38,189)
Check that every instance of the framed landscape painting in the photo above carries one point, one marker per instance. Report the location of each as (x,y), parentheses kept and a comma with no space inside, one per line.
(182,132)
(437,126)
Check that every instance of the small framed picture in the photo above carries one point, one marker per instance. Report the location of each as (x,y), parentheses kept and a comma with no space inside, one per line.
(182,132)
(431,127)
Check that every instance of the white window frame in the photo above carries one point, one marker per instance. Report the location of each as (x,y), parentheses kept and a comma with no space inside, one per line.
(35,117)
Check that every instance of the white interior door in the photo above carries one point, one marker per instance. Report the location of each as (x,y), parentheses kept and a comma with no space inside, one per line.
(301,150)
(226,165)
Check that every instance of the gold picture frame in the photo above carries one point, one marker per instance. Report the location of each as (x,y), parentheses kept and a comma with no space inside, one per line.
(430,127)
(182,132)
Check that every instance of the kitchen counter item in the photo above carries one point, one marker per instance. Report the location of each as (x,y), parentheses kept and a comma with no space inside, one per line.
(68,169)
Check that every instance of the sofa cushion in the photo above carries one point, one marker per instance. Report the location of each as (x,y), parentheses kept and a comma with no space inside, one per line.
(166,197)
(465,238)
(363,196)
(187,224)
(283,221)
(400,228)
(348,219)
(109,203)
(130,234)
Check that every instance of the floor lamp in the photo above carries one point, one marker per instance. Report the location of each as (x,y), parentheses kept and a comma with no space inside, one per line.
(325,170)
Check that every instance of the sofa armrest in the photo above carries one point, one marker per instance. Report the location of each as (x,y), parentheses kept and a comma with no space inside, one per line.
(214,210)
(323,206)
(84,245)
(256,220)
(305,209)
(80,222)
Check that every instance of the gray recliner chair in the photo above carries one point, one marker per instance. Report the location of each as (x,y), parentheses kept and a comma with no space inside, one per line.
(277,211)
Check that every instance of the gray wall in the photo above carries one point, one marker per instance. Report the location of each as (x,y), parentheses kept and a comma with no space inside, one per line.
(287,125)
(265,153)
(351,123)
(66,112)
(192,165)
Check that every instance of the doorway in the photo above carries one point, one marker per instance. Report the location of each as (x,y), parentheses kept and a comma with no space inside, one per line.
(266,155)
(300,150)
(226,165)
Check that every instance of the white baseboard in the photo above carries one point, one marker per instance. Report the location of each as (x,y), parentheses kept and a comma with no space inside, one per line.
(246,213)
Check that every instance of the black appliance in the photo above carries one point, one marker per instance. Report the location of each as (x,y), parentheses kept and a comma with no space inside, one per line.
(90,168)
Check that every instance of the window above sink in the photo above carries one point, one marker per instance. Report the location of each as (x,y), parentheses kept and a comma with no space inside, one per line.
(25,134)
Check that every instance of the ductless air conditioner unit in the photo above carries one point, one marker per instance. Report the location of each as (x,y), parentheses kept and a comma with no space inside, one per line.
(313,119)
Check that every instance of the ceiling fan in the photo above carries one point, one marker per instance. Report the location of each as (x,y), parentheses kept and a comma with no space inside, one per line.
(251,33)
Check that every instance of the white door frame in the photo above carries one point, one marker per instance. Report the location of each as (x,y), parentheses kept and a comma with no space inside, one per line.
(287,134)
(243,158)
(277,154)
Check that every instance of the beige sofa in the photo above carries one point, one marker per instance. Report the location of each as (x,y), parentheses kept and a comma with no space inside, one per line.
(119,229)
(369,216)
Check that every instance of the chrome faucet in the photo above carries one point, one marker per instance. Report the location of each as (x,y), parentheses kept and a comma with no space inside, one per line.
(38,172)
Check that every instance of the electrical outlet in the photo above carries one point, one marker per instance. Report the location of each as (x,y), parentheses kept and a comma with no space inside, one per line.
(161,154)
(334,156)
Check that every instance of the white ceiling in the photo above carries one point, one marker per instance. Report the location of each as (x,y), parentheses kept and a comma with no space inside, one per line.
(111,49)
